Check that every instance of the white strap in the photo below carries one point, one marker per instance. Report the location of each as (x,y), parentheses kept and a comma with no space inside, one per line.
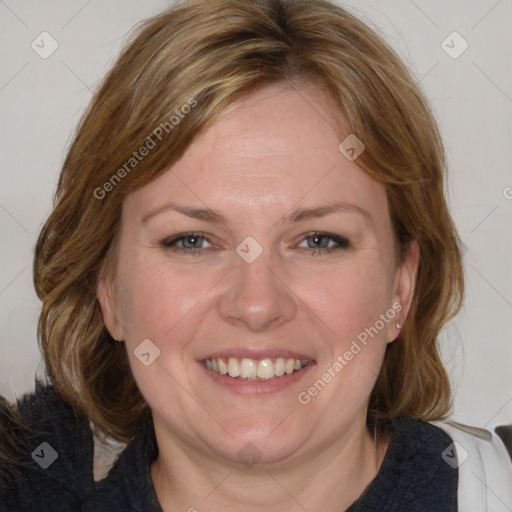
(485,469)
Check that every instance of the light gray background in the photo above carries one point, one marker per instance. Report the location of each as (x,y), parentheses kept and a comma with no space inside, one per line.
(41,100)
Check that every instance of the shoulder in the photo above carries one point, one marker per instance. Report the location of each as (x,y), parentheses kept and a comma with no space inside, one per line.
(422,440)
(485,469)
(412,476)
(418,446)
(46,450)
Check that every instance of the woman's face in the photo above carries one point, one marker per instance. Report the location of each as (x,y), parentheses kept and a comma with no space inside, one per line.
(266,245)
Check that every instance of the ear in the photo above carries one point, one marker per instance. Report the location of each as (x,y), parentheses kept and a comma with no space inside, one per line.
(403,289)
(105,293)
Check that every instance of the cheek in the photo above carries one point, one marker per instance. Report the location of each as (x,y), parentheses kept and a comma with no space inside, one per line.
(350,298)
(351,304)
(156,298)
(164,305)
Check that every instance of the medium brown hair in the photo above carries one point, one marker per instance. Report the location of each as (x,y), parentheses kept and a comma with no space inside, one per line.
(208,55)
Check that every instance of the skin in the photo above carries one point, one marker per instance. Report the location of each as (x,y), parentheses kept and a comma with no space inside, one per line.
(272,152)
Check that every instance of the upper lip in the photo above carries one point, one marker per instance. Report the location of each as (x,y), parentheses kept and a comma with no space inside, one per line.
(257,354)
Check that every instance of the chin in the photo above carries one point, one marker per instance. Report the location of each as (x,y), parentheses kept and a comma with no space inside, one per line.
(261,443)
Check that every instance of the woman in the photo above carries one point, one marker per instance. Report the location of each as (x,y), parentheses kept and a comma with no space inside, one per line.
(243,279)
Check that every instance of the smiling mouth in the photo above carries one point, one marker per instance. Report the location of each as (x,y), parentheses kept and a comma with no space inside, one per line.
(255,369)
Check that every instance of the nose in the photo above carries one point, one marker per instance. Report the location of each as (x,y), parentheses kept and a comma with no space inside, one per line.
(256,297)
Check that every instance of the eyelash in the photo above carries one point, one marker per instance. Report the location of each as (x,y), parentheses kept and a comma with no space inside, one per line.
(343,243)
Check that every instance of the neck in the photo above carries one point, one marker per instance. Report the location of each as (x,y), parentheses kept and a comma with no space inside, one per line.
(332,479)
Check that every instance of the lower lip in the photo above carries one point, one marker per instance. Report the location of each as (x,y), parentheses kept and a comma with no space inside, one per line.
(257,387)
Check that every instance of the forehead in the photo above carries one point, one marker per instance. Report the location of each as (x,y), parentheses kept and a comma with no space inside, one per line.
(276,147)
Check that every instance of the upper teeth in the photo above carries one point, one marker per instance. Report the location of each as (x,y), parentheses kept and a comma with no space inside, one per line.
(253,369)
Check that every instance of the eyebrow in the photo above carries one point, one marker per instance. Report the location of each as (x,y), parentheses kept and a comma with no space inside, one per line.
(294,216)
(300,214)
(205,214)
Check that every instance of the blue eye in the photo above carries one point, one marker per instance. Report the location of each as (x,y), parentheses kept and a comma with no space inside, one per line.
(323,243)
(191,243)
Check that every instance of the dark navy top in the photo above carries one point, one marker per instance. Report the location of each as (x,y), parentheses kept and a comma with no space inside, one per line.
(413,477)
